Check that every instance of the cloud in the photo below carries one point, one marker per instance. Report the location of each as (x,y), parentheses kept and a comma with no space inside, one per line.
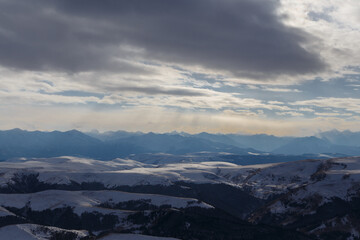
(244,38)
(158,90)
(348,104)
(306,110)
(333,114)
(21,98)
(284,90)
(293,114)
(335,23)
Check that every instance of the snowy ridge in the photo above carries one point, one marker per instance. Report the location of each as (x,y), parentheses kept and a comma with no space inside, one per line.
(89,201)
(111,173)
(308,176)
(263,181)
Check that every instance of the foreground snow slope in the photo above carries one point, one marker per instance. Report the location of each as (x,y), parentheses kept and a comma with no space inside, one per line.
(36,232)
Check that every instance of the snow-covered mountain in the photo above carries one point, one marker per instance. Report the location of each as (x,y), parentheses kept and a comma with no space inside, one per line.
(295,200)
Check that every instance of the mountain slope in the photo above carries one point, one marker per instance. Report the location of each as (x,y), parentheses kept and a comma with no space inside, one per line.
(315,145)
(177,144)
(20,143)
(262,142)
(346,138)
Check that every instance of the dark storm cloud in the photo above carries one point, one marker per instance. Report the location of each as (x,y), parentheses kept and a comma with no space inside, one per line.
(244,37)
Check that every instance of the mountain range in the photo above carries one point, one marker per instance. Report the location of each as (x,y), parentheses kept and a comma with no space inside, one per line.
(110,145)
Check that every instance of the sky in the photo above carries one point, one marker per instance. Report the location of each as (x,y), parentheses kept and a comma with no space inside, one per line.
(281,67)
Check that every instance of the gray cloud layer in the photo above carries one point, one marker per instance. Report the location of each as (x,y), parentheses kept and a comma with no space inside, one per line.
(244,37)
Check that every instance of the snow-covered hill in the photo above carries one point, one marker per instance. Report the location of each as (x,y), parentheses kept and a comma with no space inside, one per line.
(318,198)
(328,178)
(65,170)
